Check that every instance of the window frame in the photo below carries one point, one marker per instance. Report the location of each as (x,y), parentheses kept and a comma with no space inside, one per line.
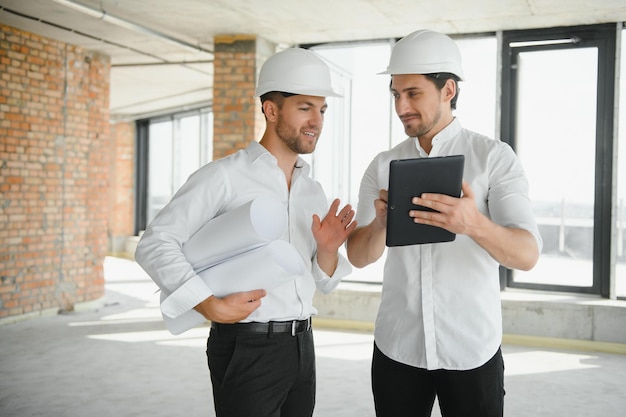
(142,163)
(604,38)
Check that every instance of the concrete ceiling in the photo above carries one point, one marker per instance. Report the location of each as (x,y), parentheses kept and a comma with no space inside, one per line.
(161,50)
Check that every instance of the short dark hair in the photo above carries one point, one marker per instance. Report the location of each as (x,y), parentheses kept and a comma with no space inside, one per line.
(440,79)
(271,95)
(275,96)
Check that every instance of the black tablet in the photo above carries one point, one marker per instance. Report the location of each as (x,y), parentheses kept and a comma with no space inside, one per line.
(410,178)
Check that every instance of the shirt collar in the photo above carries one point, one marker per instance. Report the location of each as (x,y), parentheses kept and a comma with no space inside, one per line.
(447,132)
(445,135)
(257,151)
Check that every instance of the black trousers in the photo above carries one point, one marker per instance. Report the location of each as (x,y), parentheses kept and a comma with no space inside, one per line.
(402,391)
(261,375)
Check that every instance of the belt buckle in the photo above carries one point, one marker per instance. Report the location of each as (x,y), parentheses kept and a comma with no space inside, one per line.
(293,327)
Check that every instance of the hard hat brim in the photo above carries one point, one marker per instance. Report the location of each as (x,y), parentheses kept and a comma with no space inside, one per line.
(304,92)
(422,72)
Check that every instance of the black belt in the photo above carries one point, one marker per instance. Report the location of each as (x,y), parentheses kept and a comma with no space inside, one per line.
(294,327)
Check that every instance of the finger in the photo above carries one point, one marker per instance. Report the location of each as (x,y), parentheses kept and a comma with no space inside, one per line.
(380,205)
(437,202)
(467,190)
(424,201)
(349,216)
(317,223)
(253,295)
(347,210)
(334,206)
(426,217)
(422,215)
(350,228)
(383,195)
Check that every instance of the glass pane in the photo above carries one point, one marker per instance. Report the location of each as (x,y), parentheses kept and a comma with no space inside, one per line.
(476,106)
(206,136)
(159,168)
(556,136)
(367,111)
(365,115)
(620,270)
(188,156)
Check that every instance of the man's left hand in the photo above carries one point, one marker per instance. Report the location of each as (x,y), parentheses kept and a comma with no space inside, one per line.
(330,233)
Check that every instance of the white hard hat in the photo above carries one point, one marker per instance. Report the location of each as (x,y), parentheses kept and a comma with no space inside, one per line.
(425,52)
(295,71)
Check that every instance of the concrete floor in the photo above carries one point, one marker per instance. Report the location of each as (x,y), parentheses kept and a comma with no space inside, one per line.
(118,360)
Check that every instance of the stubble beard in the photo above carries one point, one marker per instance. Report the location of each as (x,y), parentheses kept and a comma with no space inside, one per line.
(291,137)
(423,127)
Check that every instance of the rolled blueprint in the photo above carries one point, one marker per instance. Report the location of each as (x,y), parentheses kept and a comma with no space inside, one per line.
(247,227)
(266,267)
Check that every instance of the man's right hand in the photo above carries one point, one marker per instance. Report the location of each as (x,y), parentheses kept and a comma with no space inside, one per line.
(366,244)
(231,308)
(380,204)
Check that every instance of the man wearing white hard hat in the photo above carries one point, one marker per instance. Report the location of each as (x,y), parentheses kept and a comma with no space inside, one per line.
(260,349)
(439,328)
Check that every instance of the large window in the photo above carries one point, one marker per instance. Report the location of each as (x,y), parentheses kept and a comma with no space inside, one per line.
(169,148)
(563,197)
(558,114)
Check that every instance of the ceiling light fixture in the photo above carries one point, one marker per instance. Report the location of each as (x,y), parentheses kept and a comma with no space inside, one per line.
(542,42)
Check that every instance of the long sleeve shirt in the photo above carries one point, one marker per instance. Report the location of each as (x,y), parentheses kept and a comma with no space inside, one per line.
(224,185)
(440,306)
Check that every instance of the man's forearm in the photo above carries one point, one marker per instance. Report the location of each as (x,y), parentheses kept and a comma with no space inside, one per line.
(512,247)
(366,245)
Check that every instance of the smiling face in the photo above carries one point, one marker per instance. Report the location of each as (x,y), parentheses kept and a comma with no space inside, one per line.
(423,109)
(299,122)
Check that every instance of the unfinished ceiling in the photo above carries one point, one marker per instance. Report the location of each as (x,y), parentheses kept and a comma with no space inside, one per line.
(161,50)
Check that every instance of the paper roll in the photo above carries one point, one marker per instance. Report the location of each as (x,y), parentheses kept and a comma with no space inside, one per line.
(267,267)
(237,231)
(263,268)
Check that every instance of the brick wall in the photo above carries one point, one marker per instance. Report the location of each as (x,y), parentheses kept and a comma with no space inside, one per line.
(122,186)
(54,173)
(236,112)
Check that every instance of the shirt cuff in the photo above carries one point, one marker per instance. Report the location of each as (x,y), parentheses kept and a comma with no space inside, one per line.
(327,283)
(186,297)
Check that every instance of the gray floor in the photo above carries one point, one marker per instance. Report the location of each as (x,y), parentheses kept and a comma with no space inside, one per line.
(119,361)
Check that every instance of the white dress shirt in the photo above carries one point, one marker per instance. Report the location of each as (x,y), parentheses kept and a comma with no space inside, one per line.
(440,305)
(224,185)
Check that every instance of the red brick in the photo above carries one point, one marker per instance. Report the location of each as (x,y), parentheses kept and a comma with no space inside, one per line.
(39,245)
